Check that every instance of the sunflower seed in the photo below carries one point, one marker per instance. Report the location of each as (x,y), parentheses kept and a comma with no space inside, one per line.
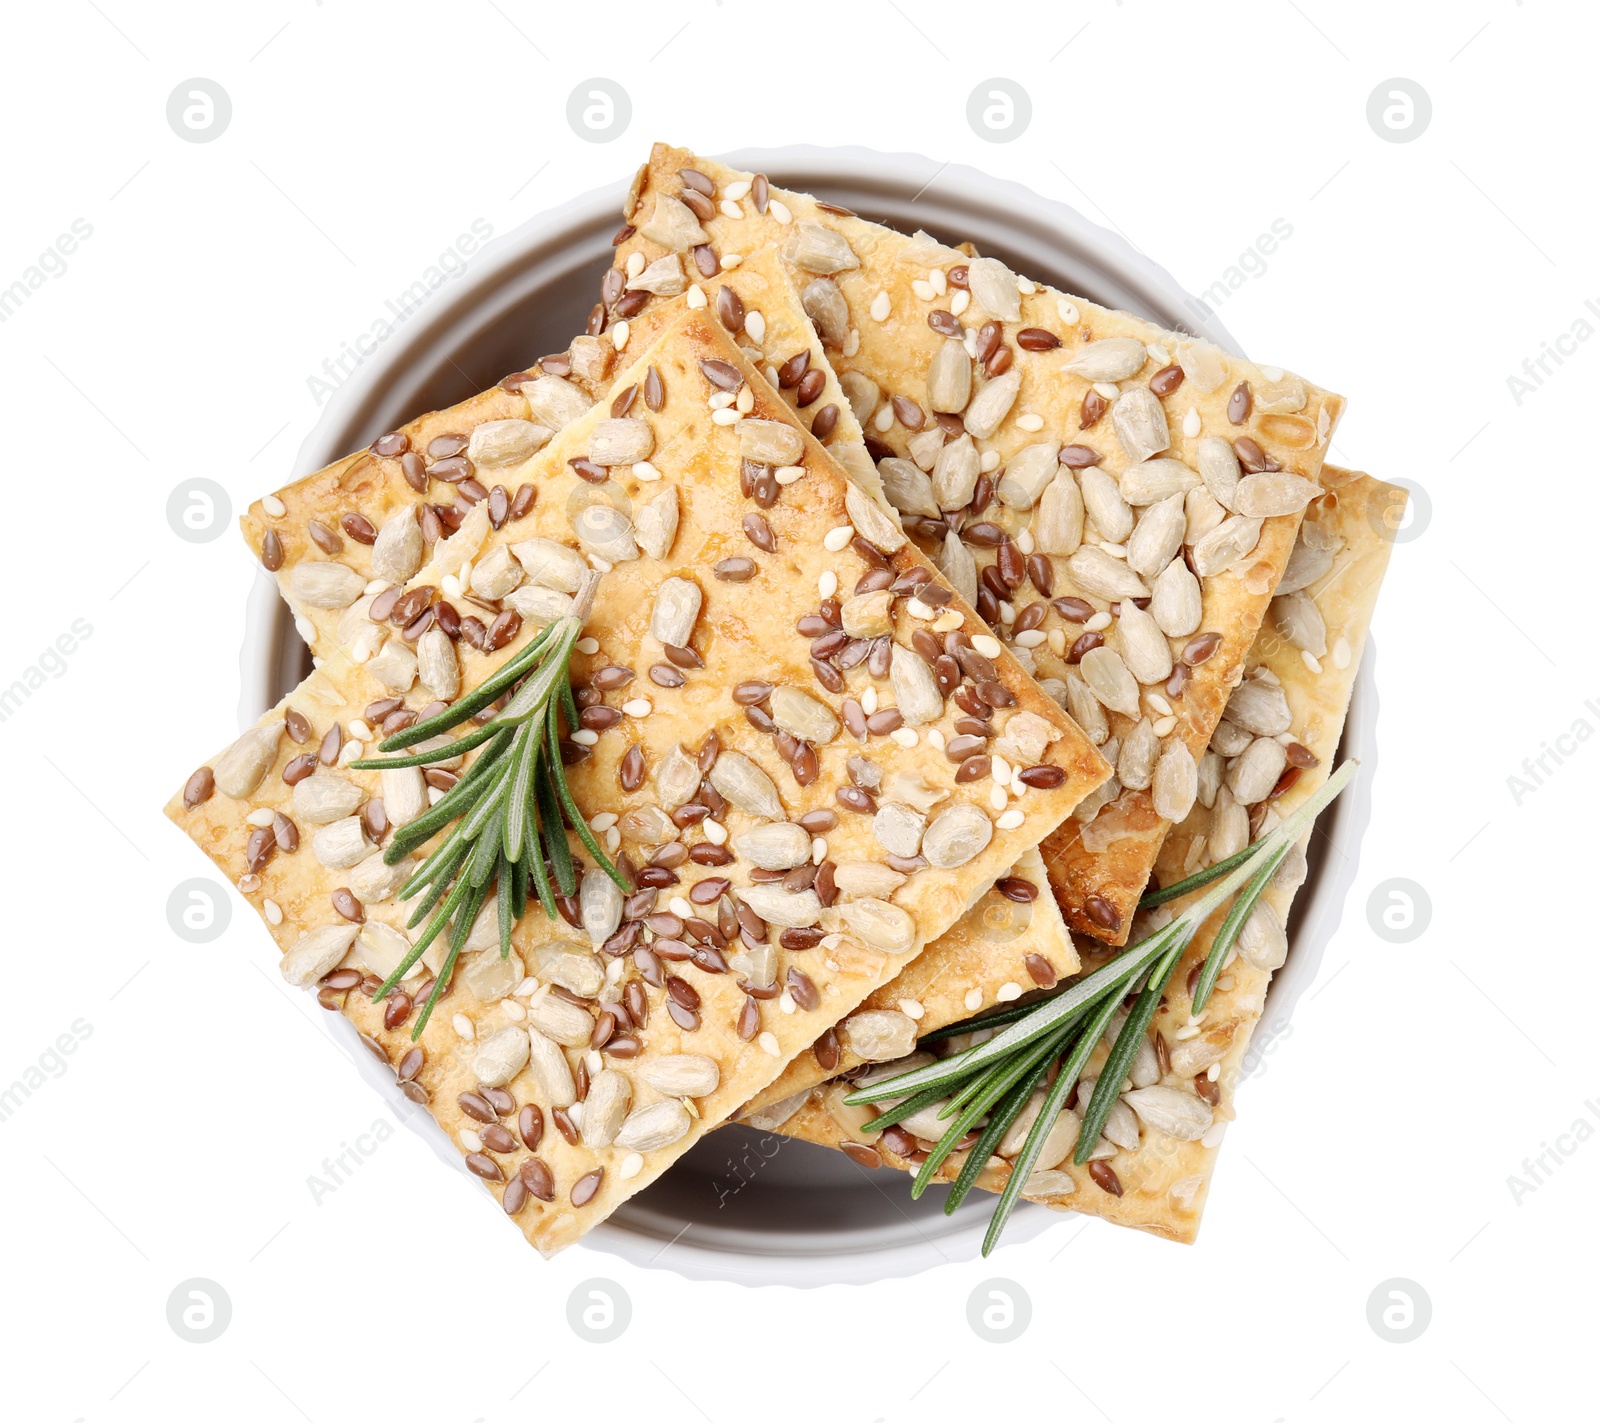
(495,574)
(908,488)
(990,406)
(995,287)
(555,403)
(802,716)
(1085,708)
(1143,645)
(238,771)
(1229,740)
(955,474)
(949,379)
(500,1057)
(1136,761)
(372,881)
(605,532)
(1254,773)
(1026,476)
(1175,601)
(604,1107)
(325,796)
(916,691)
(1175,782)
(1113,359)
(1230,827)
(1208,778)
(1259,707)
(437,667)
(397,553)
(1184,1116)
(538,607)
(663,277)
(1156,479)
(317,953)
(656,523)
(1219,468)
(898,829)
(770,442)
(1300,620)
(340,844)
(814,248)
(560,1020)
(1058,526)
(958,566)
(574,968)
(551,565)
(682,1074)
(1225,545)
(656,1126)
(1157,537)
(956,835)
(496,443)
(777,845)
(824,303)
(739,780)
(866,879)
(1262,941)
(880,925)
(1108,677)
(324,585)
(1100,575)
(1122,1127)
(1204,365)
(879,1034)
(672,225)
(395,666)
(551,1070)
(1266,496)
(491,978)
(599,905)
(672,618)
(1105,506)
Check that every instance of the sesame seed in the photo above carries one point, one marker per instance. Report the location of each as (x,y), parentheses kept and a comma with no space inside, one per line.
(1157,703)
(588,646)
(827,584)
(262,817)
(1066,311)
(1032,638)
(924,290)
(1025,542)
(637,706)
(1158,353)
(593,1061)
(731,209)
(722,399)
(513,1010)
(730,260)
(359,729)
(695,300)
(273,505)
(632,1165)
(903,736)
(1030,422)
(619,335)
(949,622)
(819,850)
(911,1008)
(1187,1031)
(451,585)
(879,310)
(726,417)
(306,628)
(736,189)
(780,211)
(378,585)
(998,799)
(584,737)
(1164,726)
(869,700)
(883,421)
(937,280)
(769,1044)
(1106,389)
(1025,286)
(1057,639)
(918,609)
(646,471)
(989,461)
(974,1000)
(1010,820)
(786,474)
(463,1026)
(755,326)
(715,831)
(613,839)
(636,264)
(1311,661)
(999,769)
(1008,613)
(1008,993)
(1097,622)
(745,401)
(470,1139)
(435,795)
(249,884)
(274,914)
(852,343)
(935,738)
(351,751)
(786,1003)
(958,303)
(1341,653)
(681,907)
(838,537)
(1191,422)
(986,645)
(614,971)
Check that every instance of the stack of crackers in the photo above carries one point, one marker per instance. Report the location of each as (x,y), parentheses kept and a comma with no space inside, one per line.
(939,614)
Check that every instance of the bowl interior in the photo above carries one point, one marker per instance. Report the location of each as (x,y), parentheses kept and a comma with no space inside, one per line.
(741,1204)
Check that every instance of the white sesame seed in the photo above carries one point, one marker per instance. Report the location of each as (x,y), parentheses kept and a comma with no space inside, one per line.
(726,417)
(969,342)
(827,583)
(819,849)
(584,737)
(918,609)
(1066,311)
(593,1061)
(780,211)
(1341,653)
(879,310)
(949,622)
(989,461)
(636,264)
(1157,703)
(1191,422)
(1008,613)
(986,645)
(1010,820)
(1311,661)
(869,700)
(904,736)
(938,281)
(351,751)
(770,371)
(1164,726)
(1057,638)
(974,1000)
(1030,422)
(924,290)
(958,303)
(575,1115)
(646,472)
(1106,389)
(730,260)
(451,585)
(883,421)
(1008,993)
(249,884)
(435,795)
(1158,353)
(999,768)
(935,738)
(786,1003)
(681,907)
(731,209)
(274,914)
(470,1139)
(513,1010)
(998,800)
(769,1044)
(1032,638)
(613,839)
(463,1026)
(715,831)
(378,585)
(911,1008)
(745,401)
(588,646)
(1025,541)
(261,817)
(1215,1070)
(838,537)
(632,1165)
(1097,622)
(721,400)
(852,343)
(696,299)
(619,335)
(787,474)
(1272,373)
(273,505)
(637,706)
(1187,1031)
(306,628)
(1025,286)
(755,326)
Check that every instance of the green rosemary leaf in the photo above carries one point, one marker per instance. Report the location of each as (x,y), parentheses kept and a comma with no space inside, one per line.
(465,916)
(519,885)
(1066,1080)
(476,700)
(1198,880)
(533,860)
(522,803)
(458,892)
(441,884)
(532,697)
(486,850)
(1228,932)
(555,836)
(505,899)
(901,1110)
(996,1019)
(575,815)
(460,746)
(1006,1112)
(454,803)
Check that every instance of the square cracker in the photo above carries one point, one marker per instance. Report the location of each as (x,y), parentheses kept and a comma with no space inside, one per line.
(890,287)
(1163,1183)
(744,632)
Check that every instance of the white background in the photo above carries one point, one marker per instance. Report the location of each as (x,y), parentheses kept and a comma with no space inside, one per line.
(177,343)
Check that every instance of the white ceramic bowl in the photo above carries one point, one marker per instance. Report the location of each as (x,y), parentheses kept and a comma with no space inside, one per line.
(744,1205)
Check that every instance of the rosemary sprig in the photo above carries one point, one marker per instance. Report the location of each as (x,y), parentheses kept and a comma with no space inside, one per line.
(507,814)
(1060,1033)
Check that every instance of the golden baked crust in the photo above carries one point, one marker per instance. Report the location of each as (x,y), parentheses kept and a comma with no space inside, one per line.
(696,446)
(1164,1181)
(891,287)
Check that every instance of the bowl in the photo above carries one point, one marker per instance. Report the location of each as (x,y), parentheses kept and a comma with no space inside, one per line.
(745,1205)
